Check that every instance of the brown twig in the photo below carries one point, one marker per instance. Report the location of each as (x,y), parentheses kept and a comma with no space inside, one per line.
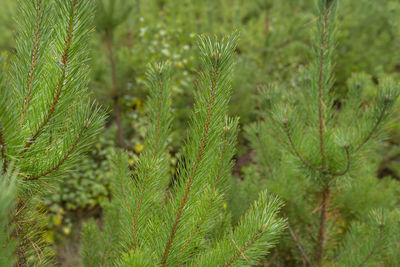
(378,121)
(3,151)
(319,250)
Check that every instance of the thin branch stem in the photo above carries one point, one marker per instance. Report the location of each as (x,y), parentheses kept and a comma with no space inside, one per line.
(297,241)
(377,123)
(217,178)
(3,151)
(196,163)
(264,154)
(246,246)
(114,92)
(373,250)
(63,159)
(296,152)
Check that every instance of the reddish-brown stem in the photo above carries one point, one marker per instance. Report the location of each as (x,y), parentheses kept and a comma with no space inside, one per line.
(61,81)
(319,250)
(114,92)
(196,163)
(3,151)
(34,59)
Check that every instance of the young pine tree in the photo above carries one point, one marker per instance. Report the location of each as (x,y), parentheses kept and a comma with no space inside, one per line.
(47,119)
(147,224)
(314,152)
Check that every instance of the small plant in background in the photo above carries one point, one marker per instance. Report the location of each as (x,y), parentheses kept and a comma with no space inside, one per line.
(147,225)
(47,120)
(321,157)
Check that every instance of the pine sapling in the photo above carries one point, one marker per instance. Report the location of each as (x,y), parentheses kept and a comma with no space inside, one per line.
(147,224)
(322,142)
(47,120)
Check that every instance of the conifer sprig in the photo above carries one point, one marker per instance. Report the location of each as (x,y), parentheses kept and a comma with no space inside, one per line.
(257,231)
(216,59)
(47,120)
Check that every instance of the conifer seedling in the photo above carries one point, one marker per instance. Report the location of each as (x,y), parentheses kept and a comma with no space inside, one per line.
(47,120)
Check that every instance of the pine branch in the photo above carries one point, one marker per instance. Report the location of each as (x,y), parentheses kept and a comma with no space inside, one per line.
(34,61)
(62,79)
(373,250)
(158,85)
(199,157)
(64,158)
(296,152)
(213,193)
(373,130)
(246,246)
(257,232)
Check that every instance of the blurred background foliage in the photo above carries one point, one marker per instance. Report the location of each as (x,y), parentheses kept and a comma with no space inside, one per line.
(274,47)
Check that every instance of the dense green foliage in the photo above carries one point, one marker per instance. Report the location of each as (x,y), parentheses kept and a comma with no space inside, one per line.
(55,178)
(147,225)
(313,151)
(46,117)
